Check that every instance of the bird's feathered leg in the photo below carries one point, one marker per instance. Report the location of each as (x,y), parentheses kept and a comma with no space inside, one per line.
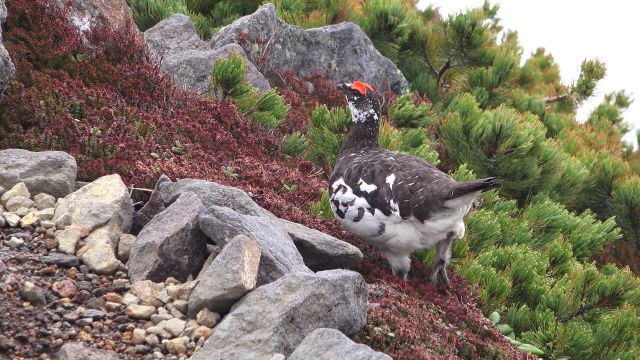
(439,269)
(400,263)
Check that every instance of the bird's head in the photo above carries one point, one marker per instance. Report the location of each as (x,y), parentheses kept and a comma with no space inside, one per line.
(362,101)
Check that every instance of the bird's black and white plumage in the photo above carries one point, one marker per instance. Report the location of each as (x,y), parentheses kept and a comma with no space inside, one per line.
(396,202)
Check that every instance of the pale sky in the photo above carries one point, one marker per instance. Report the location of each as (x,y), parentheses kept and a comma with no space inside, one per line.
(573,31)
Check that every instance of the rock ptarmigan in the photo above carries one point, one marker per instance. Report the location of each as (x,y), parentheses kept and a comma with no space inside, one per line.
(396,202)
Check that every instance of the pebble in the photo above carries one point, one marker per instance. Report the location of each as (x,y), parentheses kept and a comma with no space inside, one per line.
(140,311)
(11,219)
(72,316)
(82,296)
(47,224)
(6,343)
(142,349)
(2,221)
(15,242)
(138,336)
(60,259)
(112,297)
(129,298)
(44,201)
(121,285)
(112,306)
(207,318)
(3,267)
(181,305)
(178,345)
(158,355)
(65,288)
(84,321)
(201,332)
(152,340)
(175,326)
(95,303)
(33,294)
(94,314)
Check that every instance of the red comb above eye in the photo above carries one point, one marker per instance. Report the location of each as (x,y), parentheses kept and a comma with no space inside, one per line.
(361,87)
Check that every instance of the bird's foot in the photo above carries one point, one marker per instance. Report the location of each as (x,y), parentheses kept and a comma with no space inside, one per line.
(439,274)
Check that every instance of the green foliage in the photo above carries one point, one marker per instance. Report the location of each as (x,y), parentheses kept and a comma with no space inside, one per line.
(147,13)
(626,206)
(322,208)
(227,80)
(325,134)
(294,144)
(404,112)
(591,71)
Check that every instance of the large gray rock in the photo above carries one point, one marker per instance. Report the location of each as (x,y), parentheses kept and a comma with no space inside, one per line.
(232,274)
(342,52)
(75,351)
(279,254)
(86,14)
(330,344)
(211,193)
(321,251)
(103,202)
(276,317)
(50,172)
(171,244)
(175,44)
(7,69)
(99,253)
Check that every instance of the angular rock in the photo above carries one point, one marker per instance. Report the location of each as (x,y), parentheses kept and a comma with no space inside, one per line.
(86,14)
(15,242)
(341,52)
(17,202)
(99,252)
(68,238)
(50,172)
(207,318)
(65,288)
(176,45)
(44,201)
(232,274)
(124,246)
(140,311)
(181,291)
(104,201)
(279,254)
(11,219)
(7,69)
(177,346)
(19,190)
(33,294)
(138,336)
(147,291)
(175,326)
(152,207)
(211,193)
(171,244)
(75,351)
(275,318)
(330,344)
(60,259)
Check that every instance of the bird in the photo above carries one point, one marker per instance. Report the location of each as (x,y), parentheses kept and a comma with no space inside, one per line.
(398,203)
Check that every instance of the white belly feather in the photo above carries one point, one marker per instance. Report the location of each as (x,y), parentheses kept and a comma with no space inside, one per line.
(392,233)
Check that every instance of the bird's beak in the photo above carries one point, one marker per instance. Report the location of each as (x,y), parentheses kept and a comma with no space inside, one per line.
(342,87)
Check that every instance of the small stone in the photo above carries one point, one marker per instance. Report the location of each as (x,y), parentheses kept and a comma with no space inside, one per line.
(29,220)
(129,298)
(93,313)
(171,281)
(19,189)
(278,356)
(201,332)
(65,288)
(57,342)
(18,202)
(84,321)
(191,326)
(3,222)
(50,243)
(22,211)
(72,316)
(11,219)
(112,297)
(44,201)
(178,345)
(60,259)
(152,340)
(158,355)
(146,291)
(82,296)
(207,318)
(62,221)
(33,294)
(84,336)
(121,285)
(6,343)
(44,215)
(3,267)
(14,242)
(67,240)
(175,312)
(138,336)
(124,246)
(175,326)
(163,296)
(95,303)
(112,306)
(140,311)
(180,305)
(181,291)
(47,224)
(142,349)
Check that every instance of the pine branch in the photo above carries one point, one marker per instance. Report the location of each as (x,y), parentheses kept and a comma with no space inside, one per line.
(443,70)
(558,98)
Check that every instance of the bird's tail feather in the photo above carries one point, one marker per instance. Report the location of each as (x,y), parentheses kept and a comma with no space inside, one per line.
(466,187)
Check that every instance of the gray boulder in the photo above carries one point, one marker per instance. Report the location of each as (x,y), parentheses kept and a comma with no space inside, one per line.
(342,52)
(171,244)
(279,254)
(75,351)
(233,273)
(276,317)
(50,172)
(321,251)
(7,69)
(151,208)
(330,344)
(86,14)
(175,44)
(211,193)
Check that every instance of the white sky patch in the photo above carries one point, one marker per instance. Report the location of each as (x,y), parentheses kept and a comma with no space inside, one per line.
(573,31)
(366,187)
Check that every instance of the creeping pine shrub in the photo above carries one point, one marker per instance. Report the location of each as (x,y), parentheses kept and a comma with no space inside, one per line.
(327,128)
(405,112)
(227,80)
(294,144)
(147,13)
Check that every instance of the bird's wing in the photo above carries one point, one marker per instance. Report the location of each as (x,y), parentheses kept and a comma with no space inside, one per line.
(394,184)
